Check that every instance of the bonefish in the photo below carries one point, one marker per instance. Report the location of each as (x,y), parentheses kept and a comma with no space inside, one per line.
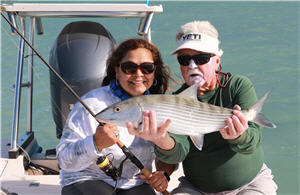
(189,116)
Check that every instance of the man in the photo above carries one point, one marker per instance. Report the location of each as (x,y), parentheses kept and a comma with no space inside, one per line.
(230,161)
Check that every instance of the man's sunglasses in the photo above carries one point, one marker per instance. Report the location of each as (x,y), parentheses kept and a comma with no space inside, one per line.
(199,59)
(131,67)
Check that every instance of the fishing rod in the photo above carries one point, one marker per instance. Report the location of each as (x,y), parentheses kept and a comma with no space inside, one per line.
(125,150)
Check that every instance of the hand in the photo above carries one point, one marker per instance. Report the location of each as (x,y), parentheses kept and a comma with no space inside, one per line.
(158,135)
(106,136)
(236,125)
(158,181)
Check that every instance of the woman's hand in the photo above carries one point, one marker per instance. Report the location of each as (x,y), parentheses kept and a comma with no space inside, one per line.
(158,181)
(236,125)
(106,136)
(158,135)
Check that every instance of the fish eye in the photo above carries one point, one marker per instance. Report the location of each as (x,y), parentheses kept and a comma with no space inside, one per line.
(117,109)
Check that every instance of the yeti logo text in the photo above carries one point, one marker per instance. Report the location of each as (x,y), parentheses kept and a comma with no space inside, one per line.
(191,37)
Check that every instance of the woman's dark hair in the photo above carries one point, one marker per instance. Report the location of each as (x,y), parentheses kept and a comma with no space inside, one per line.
(161,72)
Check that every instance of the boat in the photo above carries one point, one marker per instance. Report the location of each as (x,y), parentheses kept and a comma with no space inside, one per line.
(25,168)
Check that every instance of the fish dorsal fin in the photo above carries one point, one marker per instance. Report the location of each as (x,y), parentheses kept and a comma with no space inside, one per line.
(190,92)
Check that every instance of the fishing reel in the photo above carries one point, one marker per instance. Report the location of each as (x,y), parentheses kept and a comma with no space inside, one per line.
(109,169)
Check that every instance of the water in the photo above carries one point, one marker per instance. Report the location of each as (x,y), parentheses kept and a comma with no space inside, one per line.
(259,39)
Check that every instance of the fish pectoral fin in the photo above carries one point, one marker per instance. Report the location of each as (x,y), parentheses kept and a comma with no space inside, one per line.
(198,140)
(190,92)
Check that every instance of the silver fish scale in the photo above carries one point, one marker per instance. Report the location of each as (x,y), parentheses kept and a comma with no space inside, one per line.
(189,117)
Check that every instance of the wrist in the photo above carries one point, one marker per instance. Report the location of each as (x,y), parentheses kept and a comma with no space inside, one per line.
(166,143)
(98,149)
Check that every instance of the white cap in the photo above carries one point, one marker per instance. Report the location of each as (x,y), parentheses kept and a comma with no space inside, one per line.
(199,36)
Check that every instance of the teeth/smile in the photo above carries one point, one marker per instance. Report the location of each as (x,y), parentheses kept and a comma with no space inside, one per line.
(137,81)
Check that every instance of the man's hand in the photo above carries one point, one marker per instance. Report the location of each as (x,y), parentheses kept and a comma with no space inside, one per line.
(158,181)
(236,125)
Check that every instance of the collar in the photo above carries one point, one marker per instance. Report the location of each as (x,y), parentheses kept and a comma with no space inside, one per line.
(119,92)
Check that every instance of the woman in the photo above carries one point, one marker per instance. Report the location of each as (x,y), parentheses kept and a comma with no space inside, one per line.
(135,68)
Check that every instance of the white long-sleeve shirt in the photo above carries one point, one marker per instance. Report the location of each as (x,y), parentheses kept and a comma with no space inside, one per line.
(77,154)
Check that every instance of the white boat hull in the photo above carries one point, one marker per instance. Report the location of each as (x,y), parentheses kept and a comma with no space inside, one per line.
(14,178)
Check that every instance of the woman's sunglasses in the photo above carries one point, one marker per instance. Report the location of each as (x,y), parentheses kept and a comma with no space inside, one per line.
(199,59)
(131,67)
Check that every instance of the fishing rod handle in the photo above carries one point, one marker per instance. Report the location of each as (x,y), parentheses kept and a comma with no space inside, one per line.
(148,175)
(138,163)
(165,192)
(120,144)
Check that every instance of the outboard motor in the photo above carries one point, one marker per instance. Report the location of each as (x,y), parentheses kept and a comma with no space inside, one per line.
(79,55)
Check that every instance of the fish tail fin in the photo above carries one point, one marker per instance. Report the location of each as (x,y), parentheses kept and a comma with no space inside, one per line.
(259,118)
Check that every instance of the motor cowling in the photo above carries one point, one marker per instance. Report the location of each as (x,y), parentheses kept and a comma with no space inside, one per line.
(79,55)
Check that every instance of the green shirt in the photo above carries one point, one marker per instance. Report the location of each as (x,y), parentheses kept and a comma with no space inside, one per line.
(222,164)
